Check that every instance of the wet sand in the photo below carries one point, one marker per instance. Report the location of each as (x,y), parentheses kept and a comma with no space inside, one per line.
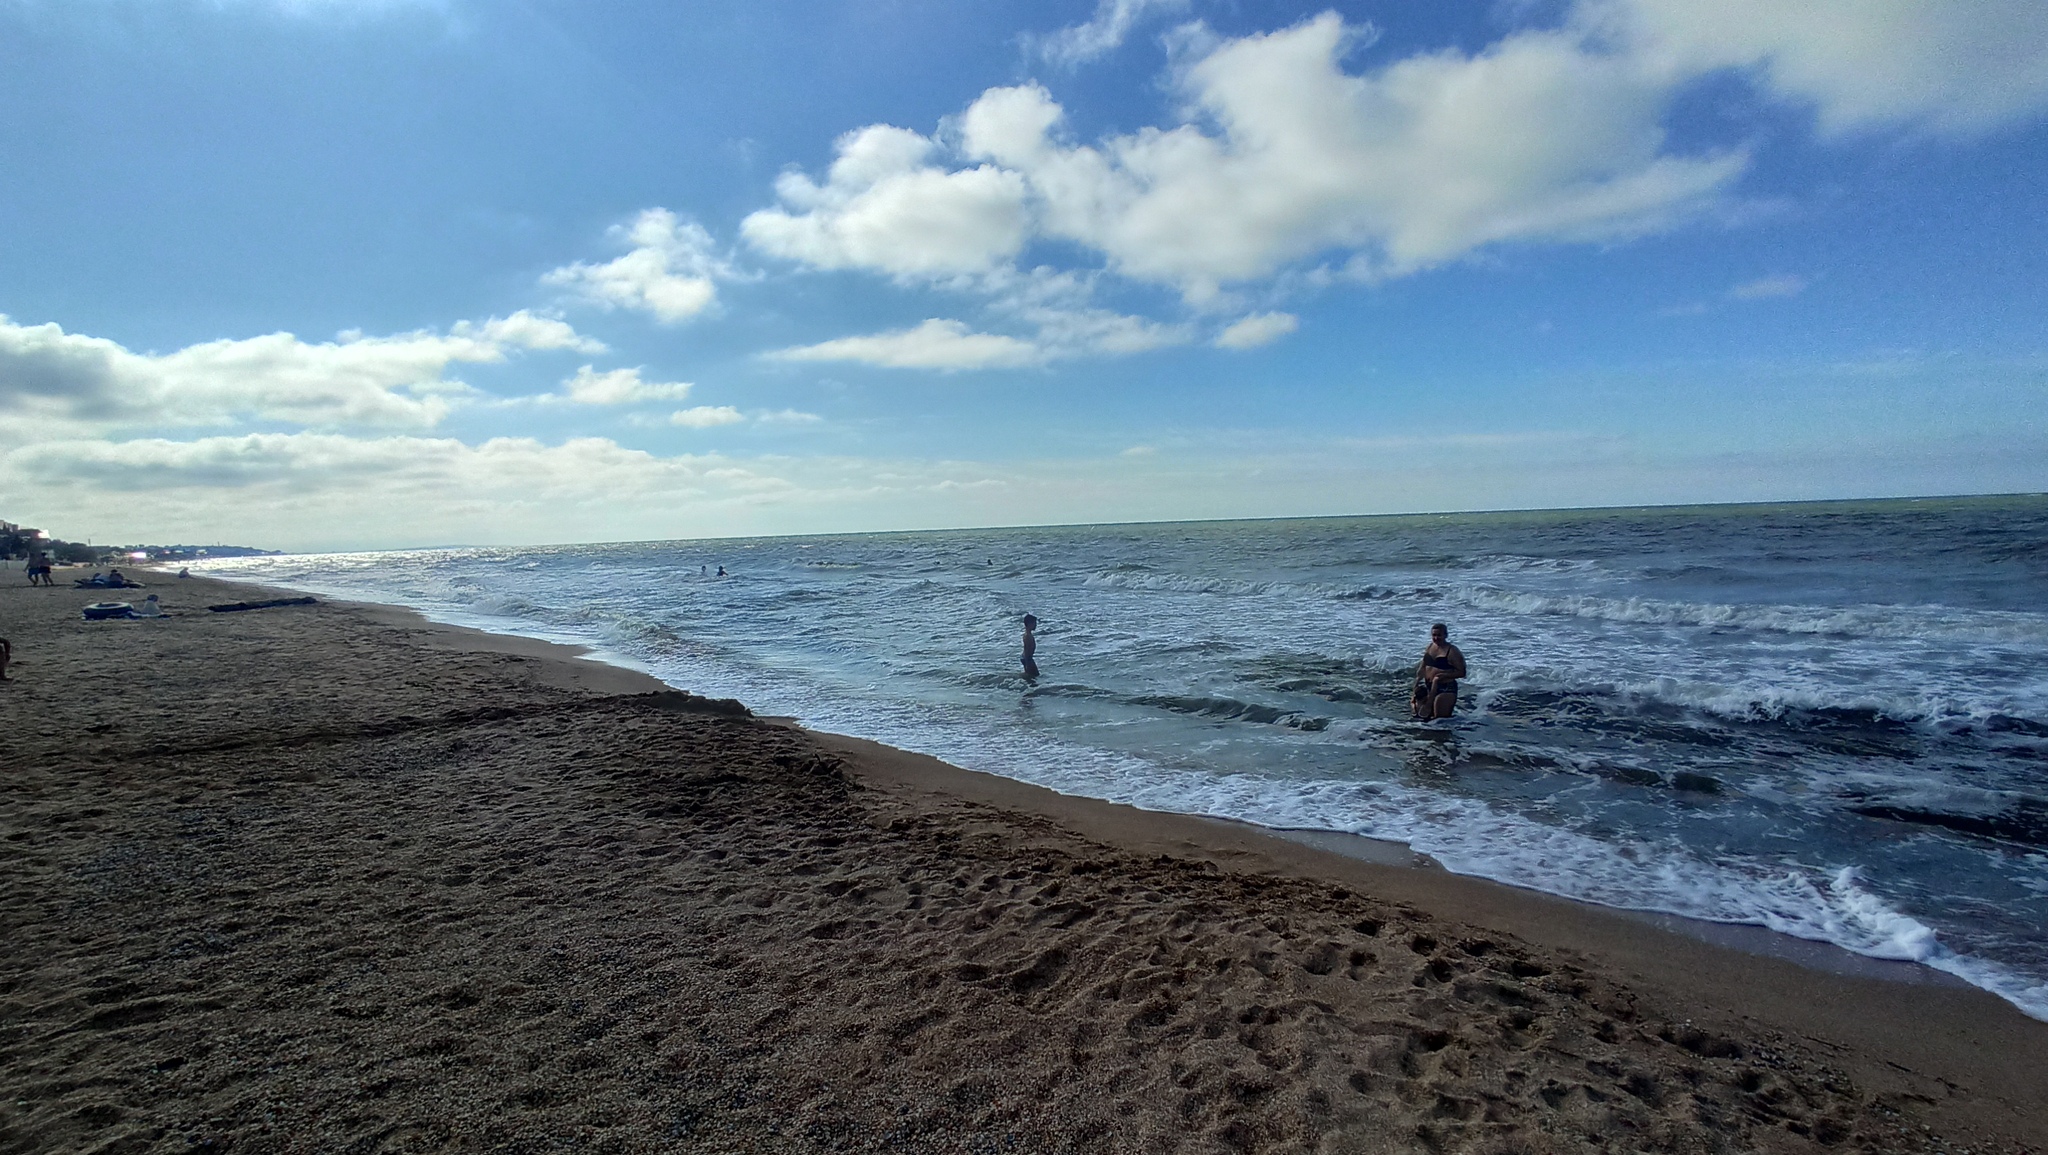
(332,878)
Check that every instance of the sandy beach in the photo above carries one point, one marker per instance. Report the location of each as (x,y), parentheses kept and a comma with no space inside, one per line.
(334,878)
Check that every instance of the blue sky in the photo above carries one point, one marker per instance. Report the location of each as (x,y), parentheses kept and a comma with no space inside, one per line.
(360,273)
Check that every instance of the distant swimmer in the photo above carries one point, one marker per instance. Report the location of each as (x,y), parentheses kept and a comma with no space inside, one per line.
(1436,678)
(721,571)
(1030,647)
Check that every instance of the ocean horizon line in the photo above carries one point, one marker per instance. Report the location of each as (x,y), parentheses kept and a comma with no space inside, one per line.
(1644,507)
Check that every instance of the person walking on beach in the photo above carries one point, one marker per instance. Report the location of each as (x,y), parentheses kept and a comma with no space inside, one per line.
(1436,678)
(1030,648)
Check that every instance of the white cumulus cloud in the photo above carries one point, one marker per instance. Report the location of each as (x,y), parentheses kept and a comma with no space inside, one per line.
(706,416)
(69,379)
(1283,156)
(938,343)
(945,344)
(620,387)
(1256,330)
(1065,332)
(1280,155)
(1102,33)
(291,488)
(528,330)
(1537,138)
(669,272)
(328,490)
(1957,66)
(788,417)
(885,208)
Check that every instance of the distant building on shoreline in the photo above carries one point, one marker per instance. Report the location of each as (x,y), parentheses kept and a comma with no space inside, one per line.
(188,552)
(19,540)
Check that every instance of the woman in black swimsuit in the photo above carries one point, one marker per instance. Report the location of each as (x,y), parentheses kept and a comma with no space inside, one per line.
(1436,678)
(1030,647)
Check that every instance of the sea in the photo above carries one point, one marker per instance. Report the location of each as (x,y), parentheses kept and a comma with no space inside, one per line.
(1825,719)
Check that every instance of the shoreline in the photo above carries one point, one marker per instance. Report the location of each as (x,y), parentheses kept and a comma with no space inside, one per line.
(1747,938)
(614,673)
(436,782)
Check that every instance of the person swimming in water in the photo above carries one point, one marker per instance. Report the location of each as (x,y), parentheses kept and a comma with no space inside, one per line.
(1436,678)
(1030,647)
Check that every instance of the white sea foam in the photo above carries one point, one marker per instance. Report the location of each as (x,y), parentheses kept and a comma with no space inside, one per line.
(1926,623)
(1513,563)
(1929,623)
(1769,696)
(1177,583)
(1470,837)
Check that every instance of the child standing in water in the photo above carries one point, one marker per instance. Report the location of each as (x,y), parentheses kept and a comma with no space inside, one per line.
(1030,647)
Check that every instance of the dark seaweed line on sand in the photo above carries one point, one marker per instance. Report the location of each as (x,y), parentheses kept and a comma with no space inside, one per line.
(667,701)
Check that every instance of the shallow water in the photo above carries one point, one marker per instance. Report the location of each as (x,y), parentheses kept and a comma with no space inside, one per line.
(1827,719)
